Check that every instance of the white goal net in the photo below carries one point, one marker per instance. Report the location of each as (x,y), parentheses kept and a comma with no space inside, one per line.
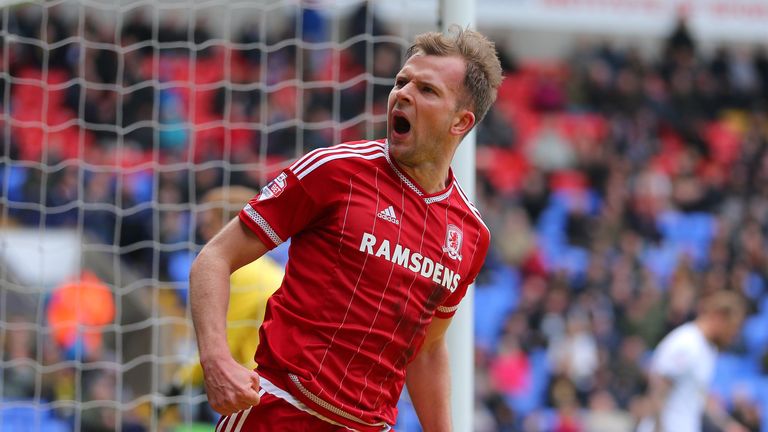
(118,118)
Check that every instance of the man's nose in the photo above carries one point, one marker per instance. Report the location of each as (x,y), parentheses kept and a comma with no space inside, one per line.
(403,94)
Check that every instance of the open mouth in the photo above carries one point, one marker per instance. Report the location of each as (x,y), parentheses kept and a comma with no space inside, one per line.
(400,124)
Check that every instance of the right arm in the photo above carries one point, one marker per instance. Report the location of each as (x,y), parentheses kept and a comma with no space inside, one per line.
(230,386)
(657,397)
(659,391)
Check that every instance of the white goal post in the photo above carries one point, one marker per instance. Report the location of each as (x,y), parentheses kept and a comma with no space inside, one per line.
(461,344)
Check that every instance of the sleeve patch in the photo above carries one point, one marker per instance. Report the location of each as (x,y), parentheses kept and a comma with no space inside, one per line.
(274,188)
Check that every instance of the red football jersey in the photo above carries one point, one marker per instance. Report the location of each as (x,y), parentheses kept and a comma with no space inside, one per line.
(372,259)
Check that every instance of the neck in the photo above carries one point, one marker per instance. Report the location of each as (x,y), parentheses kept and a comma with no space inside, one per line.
(706,328)
(431,177)
(430,170)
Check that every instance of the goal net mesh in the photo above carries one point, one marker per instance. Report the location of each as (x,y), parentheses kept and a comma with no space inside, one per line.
(118,117)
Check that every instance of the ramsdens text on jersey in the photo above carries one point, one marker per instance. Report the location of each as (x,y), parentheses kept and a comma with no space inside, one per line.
(413,261)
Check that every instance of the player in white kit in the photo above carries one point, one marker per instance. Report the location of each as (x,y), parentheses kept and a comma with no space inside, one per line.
(683,366)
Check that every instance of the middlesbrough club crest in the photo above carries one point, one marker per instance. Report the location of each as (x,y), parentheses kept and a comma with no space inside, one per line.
(452,244)
(274,188)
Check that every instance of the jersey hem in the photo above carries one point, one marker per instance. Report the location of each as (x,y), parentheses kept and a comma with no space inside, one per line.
(277,392)
(285,383)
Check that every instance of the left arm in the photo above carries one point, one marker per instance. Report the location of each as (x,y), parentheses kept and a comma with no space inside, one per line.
(720,417)
(429,380)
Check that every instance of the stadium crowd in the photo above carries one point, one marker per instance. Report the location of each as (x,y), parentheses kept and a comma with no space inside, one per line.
(619,188)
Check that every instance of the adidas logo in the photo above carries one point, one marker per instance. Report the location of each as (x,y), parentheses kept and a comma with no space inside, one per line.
(388,214)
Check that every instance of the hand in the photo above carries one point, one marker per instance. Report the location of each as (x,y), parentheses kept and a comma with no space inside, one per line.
(230,386)
(734,426)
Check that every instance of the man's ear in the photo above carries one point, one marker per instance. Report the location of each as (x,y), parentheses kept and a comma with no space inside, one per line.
(463,122)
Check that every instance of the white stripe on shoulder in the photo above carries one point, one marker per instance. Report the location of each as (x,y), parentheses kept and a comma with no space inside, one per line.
(469,204)
(321,152)
(335,156)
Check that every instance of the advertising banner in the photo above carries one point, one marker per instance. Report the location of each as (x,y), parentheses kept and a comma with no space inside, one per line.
(735,20)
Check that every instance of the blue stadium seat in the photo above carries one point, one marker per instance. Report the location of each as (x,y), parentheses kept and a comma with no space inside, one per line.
(755,334)
(662,260)
(17,176)
(733,372)
(407,420)
(574,260)
(141,184)
(762,397)
(494,302)
(27,417)
(532,400)
(280,253)
(763,307)
(692,232)
(754,289)
(179,263)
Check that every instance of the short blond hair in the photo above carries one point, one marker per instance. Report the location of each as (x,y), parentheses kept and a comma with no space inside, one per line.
(483,68)
(726,302)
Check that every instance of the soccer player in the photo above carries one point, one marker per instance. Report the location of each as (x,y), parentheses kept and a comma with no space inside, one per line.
(683,365)
(383,246)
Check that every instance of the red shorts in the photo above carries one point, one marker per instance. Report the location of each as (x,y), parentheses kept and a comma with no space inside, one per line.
(273,414)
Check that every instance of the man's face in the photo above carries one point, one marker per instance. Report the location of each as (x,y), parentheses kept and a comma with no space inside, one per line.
(424,107)
(209,223)
(729,329)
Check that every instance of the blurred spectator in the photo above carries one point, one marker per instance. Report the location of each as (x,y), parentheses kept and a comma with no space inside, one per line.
(250,287)
(510,370)
(683,366)
(101,415)
(550,150)
(603,415)
(77,312)
(20,378)
(574,355)
(627,379)
(746,411)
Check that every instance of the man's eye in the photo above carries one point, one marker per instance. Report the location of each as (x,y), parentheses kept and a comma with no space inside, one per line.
(427,89)
(399,83)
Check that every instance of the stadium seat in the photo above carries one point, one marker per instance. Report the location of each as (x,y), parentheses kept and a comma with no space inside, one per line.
(18,416)
(733,372)
(662,260)
(407,420)
(762,398)
(494,302)
(17,176)
(755,335)
(532,400)
(692,233)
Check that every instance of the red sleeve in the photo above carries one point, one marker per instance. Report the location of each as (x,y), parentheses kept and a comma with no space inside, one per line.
(448,308)
(282,208)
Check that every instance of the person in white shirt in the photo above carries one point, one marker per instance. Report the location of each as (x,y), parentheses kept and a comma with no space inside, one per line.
(683,364)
